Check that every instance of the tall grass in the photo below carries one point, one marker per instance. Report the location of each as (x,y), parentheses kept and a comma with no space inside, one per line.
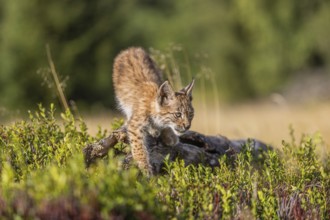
(58,85)
(178,68)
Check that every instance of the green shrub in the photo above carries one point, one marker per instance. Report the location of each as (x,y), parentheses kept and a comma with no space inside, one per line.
(43,175)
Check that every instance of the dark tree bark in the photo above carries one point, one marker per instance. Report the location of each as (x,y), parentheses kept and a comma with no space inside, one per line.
(193,148)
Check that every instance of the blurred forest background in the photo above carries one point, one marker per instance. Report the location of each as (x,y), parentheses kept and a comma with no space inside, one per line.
(251,48)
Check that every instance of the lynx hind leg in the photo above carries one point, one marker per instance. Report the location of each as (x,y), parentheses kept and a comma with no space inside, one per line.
(169,138)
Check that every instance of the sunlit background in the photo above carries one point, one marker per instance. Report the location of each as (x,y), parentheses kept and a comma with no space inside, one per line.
(260,66)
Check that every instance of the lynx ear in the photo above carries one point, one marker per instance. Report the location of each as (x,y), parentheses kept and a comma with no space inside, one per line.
(188,89)
(165,93)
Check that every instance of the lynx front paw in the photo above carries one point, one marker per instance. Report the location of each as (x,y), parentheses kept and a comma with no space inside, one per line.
(145,168)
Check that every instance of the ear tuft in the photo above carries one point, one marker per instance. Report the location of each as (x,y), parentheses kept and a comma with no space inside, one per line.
(165,93)
(188,89)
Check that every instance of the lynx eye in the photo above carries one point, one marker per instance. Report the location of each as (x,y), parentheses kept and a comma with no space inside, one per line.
(177,114)
(191,115)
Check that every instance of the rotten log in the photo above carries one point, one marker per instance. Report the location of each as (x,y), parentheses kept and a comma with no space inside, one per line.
(193,148)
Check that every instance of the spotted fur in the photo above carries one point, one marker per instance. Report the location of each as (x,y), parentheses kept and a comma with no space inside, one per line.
(151,106)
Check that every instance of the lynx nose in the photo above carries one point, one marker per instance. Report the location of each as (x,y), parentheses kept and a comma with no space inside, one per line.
(186,126)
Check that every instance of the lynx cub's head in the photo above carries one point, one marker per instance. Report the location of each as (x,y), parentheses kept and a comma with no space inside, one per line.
(174,109)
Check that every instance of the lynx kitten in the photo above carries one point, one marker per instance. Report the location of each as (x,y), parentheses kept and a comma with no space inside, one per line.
(150,105)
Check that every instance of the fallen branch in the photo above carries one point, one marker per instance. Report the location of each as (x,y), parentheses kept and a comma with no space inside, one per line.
(193,148)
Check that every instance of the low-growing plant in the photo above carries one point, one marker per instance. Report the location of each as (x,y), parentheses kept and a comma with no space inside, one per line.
(43,175)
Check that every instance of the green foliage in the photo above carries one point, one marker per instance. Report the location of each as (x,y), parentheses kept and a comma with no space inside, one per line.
(42,173)
(42,165)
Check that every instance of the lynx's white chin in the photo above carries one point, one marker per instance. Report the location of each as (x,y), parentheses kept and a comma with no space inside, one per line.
(178,133)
